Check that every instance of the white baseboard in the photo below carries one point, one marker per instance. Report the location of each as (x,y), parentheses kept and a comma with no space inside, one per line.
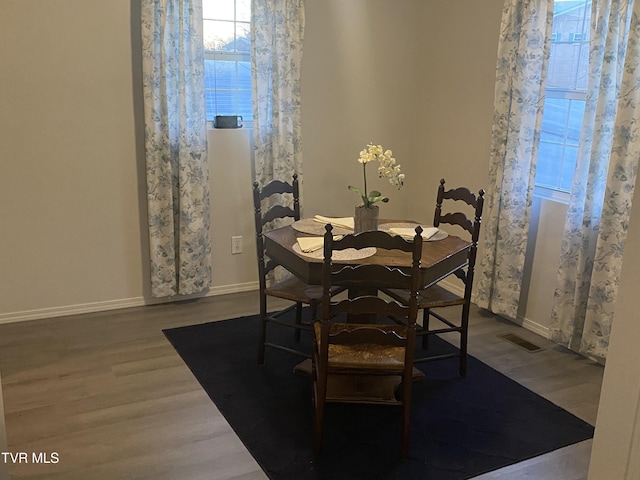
(534,327)
(235,288)
(66,310)
(94,307)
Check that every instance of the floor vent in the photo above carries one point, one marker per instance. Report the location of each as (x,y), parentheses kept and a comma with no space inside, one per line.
(521,342)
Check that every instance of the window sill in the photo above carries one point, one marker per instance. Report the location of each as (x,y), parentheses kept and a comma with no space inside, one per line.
(551,194)
(243,129)
(245,126)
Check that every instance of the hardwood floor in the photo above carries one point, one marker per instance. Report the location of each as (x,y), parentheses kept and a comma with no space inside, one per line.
(112,398)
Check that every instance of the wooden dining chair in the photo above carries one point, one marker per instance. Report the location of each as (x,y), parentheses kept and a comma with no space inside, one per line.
(366,362)
(290,288)
(437,297)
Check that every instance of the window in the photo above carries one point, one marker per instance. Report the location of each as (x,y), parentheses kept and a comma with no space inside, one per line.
(575,37)
(565,96)
(227,31)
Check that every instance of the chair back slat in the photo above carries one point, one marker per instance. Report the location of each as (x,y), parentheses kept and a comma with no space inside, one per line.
(457,218)
(375,274)
(349,334)
(461,194)
(274,187)
(379,238)
(277,211)
(369,304)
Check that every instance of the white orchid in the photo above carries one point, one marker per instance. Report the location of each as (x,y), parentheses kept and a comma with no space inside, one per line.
(387,169)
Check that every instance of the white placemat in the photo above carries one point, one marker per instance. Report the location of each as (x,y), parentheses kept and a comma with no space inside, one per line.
(338,255)
(441,235)
(310,226)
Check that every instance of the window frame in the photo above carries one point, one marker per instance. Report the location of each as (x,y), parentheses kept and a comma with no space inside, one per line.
(236,56)
(545,191)
(556,192)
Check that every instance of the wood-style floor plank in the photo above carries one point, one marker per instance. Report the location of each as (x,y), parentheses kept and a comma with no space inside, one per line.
(110,395)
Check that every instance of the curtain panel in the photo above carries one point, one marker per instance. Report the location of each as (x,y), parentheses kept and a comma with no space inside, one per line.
(176,146)
(523,57)
(277,33)
(602,191)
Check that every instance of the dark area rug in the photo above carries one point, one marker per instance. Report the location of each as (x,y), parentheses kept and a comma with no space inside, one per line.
(461,427)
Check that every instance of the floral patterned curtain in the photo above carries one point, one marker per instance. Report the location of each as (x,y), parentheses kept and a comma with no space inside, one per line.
(277,31)
(176,146)
(600,203)
(523,57)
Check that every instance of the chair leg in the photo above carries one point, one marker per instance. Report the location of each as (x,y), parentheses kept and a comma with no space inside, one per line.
(263,335)
(425,329)
(406,412)
(321,394)
(314,311)
(464,340)
(296,331)
(463,354)
(263,328)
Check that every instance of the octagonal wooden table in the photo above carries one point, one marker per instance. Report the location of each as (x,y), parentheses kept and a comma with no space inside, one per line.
(440,258)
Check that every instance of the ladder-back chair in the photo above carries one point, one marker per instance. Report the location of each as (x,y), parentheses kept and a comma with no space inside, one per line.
(353,362)
(437,296)
(290,288)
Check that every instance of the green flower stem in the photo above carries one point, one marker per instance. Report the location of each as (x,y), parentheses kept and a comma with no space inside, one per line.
(366,194)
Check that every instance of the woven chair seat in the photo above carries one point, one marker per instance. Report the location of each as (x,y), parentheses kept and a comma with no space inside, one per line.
(364,356)
(432,297)
(295,290)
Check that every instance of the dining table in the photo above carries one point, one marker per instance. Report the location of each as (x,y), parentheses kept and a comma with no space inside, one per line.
(442,254)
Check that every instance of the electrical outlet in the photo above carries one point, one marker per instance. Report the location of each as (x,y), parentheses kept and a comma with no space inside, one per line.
(236,244)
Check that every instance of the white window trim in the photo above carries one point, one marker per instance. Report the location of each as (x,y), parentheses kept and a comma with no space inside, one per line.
(551,194)
(227,56)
